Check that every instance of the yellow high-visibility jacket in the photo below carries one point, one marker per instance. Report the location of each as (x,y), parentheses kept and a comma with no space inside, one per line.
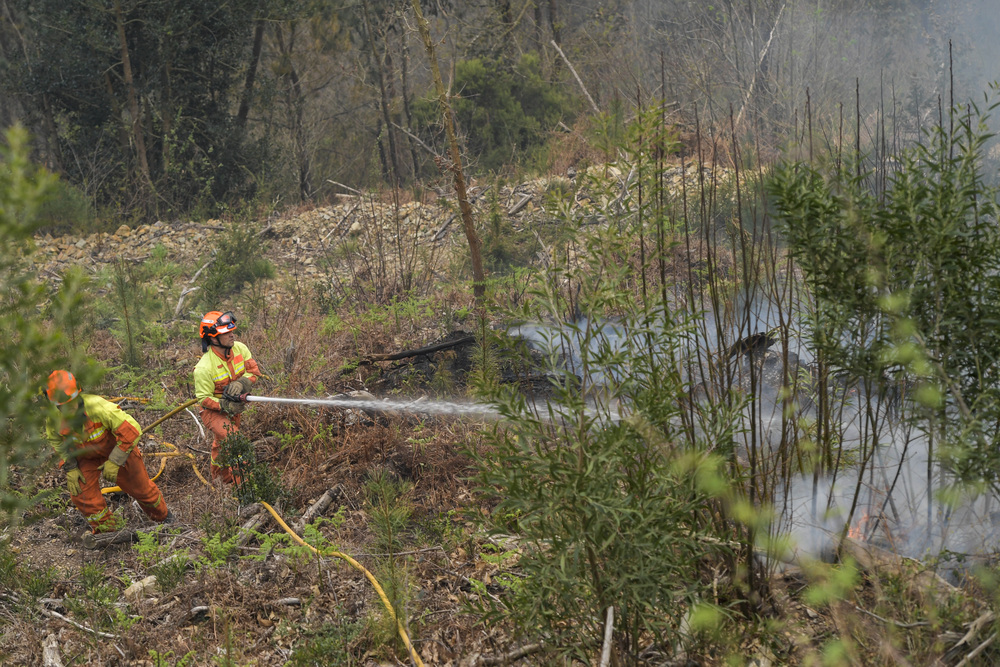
(214,371)
(105,425)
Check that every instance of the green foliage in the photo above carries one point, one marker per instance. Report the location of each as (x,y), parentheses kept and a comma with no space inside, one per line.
(30,348)
(396,579)
(217,550)
(330,644)
(167,659)
(188,61)
(168,565)
(388,506)
(504,248)
(96,600)
(609,510)
(127,299)
(484,378)
(505,112)
(68,211)
(239,262)
(906,283)
(256,481)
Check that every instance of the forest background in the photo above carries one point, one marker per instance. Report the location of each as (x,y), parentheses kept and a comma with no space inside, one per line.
(151,109)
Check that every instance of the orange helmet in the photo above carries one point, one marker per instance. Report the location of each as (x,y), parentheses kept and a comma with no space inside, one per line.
(62,387)
(215,323)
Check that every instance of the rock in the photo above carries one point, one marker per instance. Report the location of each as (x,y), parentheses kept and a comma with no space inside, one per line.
(356,228)
(82,243)
(123,231)
(140,588)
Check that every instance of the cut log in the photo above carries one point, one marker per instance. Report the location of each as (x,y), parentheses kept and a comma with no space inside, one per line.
(317,508)
(250,527)
(102,540)
(516,208)
(50,652)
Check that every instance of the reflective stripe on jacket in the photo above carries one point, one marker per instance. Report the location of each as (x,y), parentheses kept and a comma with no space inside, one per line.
(213,372)
(105,425)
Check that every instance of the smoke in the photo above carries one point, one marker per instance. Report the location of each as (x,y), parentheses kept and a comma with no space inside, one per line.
(902,498)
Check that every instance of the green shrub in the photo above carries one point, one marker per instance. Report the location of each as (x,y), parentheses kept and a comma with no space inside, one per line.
(30,348)
(256,481)
(239,262)
(504,112)
(330,645)
(69,211)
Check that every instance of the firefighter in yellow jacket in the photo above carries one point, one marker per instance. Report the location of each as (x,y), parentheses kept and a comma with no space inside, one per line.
(95,437)
(222,379)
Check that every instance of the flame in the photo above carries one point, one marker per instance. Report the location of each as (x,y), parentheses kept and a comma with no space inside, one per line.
(857,531)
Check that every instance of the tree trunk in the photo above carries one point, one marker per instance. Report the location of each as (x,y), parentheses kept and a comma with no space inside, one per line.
(554,24)
(406,105)
(475,246)
(295,103)
(244,110)
(539,29)
(133,101)
(383,96)
(117,111)
(166,116)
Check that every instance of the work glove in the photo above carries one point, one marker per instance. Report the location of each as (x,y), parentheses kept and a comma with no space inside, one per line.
(74,481)
(109,469)
(238,388)
(232,407)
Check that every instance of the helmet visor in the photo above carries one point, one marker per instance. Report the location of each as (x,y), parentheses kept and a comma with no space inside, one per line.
(225,323)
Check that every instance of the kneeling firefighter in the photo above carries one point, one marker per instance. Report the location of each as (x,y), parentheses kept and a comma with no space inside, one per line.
(222,379)
(96,437)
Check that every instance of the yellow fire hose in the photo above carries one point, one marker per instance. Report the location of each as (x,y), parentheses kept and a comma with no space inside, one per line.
(360,568)
(163,456)
(163,462)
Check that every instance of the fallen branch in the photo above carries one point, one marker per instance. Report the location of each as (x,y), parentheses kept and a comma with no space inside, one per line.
(98,541)
(342,220)
(188,289)
(890,621)
(447,223)
(316,509)
(976,651)
(430,349)
(576,76)
(197,422)
(516,208)
(247,530)
(80,626)
(510,656)
(346,187)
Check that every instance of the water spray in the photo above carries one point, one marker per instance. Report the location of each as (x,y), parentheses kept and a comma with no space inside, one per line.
(385,405)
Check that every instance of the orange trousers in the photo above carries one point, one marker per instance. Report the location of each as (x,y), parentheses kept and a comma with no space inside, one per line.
(133,480)
(221,425)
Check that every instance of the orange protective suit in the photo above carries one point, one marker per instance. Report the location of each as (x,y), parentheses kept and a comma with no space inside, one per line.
(211,375)
(105,426)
